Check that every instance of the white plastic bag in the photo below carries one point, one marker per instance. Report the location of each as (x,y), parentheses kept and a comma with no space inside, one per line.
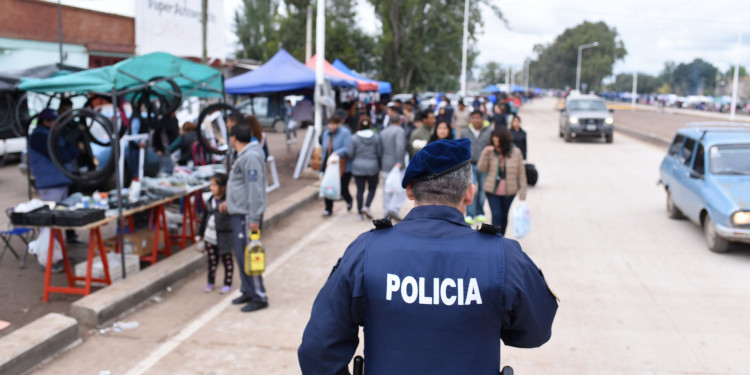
(393,181)
(521,220)
(330,186)
(40,247)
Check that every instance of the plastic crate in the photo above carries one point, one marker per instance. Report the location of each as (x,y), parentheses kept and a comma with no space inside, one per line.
(77,218)
(42,216)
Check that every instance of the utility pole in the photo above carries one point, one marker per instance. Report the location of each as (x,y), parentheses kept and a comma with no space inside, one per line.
(465,48)
(735,81)
(59,31)
(204,24)
(578,65)
(635,91)
(320,55)
(507,79)
(308,39)
(526,75)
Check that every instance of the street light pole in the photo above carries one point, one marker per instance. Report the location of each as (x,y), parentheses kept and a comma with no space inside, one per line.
(578,68)
(465,48)
(735,81)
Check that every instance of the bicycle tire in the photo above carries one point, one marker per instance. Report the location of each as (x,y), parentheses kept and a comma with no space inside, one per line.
(173,100)
(96,177)
(201,134)
(90,105)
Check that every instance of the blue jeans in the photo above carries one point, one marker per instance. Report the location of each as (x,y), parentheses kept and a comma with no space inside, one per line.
(476,207)
(500,206)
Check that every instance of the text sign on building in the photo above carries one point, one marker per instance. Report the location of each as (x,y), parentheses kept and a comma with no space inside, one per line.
(174,26)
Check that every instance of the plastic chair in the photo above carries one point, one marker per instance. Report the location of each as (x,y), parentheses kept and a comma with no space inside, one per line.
(25,234)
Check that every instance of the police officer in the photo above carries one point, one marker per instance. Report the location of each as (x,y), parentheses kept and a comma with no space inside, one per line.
(434,296)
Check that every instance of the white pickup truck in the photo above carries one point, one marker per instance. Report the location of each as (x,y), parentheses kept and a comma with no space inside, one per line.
(11,148)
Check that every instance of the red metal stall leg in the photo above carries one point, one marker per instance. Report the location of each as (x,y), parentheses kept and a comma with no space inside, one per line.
(103,252)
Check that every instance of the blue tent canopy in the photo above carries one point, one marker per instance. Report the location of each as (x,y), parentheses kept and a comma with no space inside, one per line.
(491,88)
(383,87)
(281,73)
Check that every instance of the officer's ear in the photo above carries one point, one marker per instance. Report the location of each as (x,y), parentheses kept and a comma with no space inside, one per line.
(469,194)
(409,192)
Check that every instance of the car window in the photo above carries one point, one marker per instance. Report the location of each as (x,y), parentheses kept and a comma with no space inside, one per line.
(699,165)
(587,105)
(674,148)
(730,159)
(687,151)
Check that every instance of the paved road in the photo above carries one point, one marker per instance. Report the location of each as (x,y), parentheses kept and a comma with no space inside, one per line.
(640,293)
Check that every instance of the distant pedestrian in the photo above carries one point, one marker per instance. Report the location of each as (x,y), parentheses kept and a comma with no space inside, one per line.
(420,136)
(476,103)
(480,136)
(393,139)
(335,140)
(246,203)
(506,176)
(365,151)
(216,232)
(498,117)
(460,120)
(442,130)
(519,135)
(442,116)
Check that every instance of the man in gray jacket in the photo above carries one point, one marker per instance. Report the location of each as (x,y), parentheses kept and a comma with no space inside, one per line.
(393,139)
(480,137)
(245,203)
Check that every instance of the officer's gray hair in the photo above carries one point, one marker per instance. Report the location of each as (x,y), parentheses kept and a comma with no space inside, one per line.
(448,189)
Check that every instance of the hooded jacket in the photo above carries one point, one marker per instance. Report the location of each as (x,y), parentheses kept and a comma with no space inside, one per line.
(364,152)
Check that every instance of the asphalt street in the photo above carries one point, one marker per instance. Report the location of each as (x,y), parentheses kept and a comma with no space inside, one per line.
(639,293)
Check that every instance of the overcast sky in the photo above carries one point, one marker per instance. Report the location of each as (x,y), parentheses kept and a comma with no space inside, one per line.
(654,31)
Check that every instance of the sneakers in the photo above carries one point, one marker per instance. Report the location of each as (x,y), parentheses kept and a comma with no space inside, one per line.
(209,288)
(480,219)
(326,213)
(361,217)
(366,212)
(349,206)
(469,220)
(225,289)
(255,305)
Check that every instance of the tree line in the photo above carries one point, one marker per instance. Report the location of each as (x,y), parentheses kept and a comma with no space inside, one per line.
(417,45)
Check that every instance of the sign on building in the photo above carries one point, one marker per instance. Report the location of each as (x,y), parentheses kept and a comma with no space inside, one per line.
(174,26)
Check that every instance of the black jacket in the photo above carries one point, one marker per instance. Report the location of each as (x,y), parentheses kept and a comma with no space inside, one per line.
(519,139)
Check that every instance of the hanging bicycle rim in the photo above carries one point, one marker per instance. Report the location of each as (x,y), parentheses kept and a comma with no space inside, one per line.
(212,130)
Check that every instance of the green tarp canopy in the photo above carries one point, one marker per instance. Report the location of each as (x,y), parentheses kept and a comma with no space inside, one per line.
(133,74)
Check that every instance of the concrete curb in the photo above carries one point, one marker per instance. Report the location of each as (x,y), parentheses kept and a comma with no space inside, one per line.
(43,338)
(648,137)
(36,342)
(108,303)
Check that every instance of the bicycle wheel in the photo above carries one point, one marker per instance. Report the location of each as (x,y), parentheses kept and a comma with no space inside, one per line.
(213,133)
(71,127)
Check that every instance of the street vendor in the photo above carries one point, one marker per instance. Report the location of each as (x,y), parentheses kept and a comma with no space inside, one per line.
(50,182)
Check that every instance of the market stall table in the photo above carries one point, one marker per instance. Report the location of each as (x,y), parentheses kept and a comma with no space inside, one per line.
(95,240)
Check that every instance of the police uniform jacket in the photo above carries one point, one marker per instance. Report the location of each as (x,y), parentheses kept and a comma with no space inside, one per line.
(434,297)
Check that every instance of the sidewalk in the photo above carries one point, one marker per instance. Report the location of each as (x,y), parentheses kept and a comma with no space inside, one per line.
(21,289)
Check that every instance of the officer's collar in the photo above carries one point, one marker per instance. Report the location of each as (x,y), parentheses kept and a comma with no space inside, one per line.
(446,213)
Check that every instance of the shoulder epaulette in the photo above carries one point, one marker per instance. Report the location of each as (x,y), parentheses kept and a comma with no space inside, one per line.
(383,223)
(489,229)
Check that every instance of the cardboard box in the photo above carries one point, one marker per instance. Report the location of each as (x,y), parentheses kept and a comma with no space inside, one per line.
(139,243)
(132,266)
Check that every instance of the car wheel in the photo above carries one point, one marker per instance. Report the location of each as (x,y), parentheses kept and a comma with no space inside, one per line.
(608,137)
(568,138)
(714,242)
(279,126)
(673,211)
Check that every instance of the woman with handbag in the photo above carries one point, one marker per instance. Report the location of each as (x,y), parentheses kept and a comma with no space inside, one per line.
(506,175)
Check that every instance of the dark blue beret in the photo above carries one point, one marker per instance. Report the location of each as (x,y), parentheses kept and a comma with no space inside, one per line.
(436,159)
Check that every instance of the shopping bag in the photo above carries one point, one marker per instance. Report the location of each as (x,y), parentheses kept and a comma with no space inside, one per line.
(393,181)
(521,220)
(40,247)
(330,186)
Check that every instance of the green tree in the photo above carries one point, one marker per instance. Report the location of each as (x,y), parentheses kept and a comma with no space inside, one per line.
(422,39)
(256,26)
(730,72)
(695,78)
(492,72)
(555,65)
(647,84)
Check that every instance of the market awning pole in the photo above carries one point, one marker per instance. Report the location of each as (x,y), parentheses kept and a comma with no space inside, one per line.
(320,45)
(308,37)
(116,143)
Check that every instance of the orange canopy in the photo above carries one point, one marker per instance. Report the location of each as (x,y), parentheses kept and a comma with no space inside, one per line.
(362,85)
